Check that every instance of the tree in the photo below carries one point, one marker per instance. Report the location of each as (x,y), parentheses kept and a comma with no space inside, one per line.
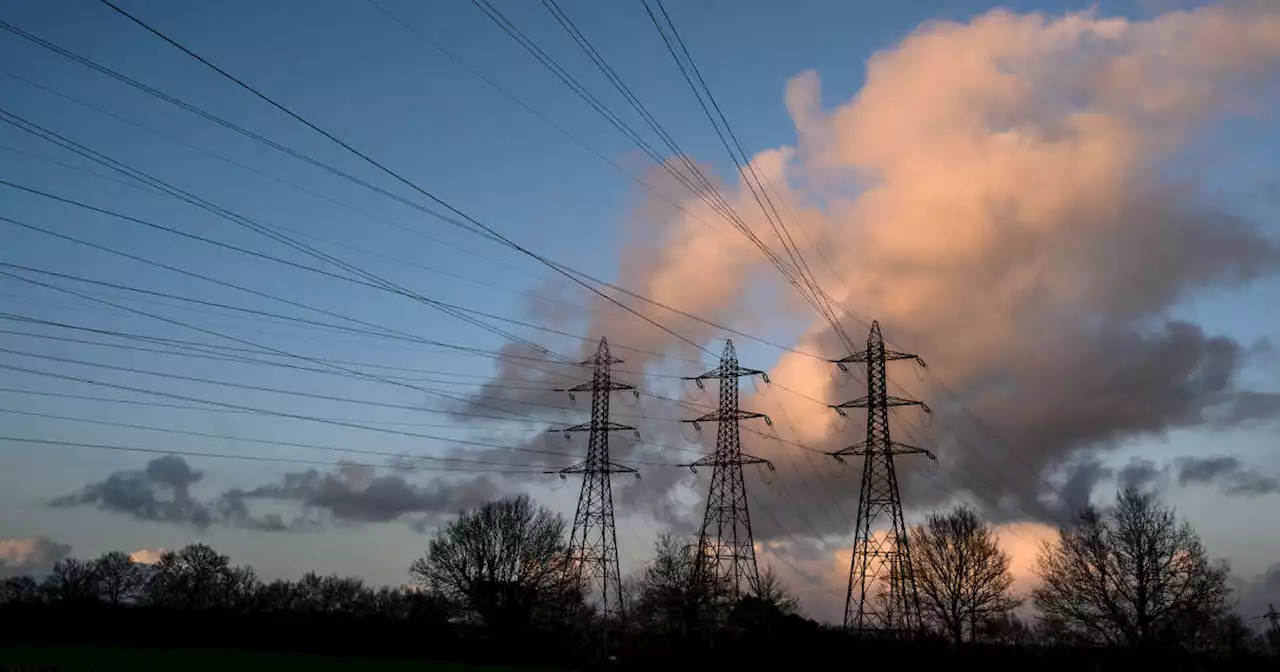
(770,592)
(71,581)
(1135,577)
(504,561)
(671,598)
(19,590)
(120,579)
(194,577)
(961,574)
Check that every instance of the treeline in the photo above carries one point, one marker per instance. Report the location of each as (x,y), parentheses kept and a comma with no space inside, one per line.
(1131,587)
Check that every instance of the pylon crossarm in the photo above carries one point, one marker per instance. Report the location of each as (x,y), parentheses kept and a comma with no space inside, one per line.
(615,468)
(586,427)
(704,461)
(855,358)
(902,401)
(905,449)
(752,459)
(709,375)
(579,468)
(858,448)
(860,402)
(891,355)
(593,387)
(597,359)
(722,372)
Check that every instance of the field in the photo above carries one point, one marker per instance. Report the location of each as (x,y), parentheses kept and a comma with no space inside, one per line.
(108,659)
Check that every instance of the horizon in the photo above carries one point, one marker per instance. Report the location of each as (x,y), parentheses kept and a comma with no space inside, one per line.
(1068,210)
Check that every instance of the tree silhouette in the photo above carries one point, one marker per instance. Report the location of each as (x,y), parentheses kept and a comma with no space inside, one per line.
(198,577)
(671,597)
(771,592)
(504,561)
(120,580)
(961,574)
(1135,576)
(19,590)
(71,581)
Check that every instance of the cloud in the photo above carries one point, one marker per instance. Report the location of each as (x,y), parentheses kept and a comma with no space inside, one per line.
(34,555)
(1257,595)
(1139,474)
(148,556)
(161,492)
(354,494)
(999,195)
(1228,473)
(351,494)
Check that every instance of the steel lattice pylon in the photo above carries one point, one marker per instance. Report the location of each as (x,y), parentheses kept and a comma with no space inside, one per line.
(725,544)
(593,545)
(882,595)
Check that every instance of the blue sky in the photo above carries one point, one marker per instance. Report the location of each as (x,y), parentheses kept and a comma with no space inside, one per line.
(369,81)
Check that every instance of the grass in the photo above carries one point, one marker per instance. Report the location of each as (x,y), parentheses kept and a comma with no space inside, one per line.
(111,659)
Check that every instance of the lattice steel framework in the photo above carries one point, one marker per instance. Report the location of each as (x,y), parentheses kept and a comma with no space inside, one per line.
(593,545)
(882,597)
(725,545)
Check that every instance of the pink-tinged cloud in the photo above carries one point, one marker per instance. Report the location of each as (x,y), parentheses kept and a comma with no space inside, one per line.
(32,555)
(148,556)
(998,196)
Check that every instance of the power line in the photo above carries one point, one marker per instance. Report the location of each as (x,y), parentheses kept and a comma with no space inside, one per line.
(475,226)
(276,351)
(254,458)
(370,279)
(296,416)
(248,168)
(328,168)
(290,444)
(745,169)
(158,404)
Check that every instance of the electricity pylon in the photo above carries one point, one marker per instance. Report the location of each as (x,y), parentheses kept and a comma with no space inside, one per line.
(881,597)
(725,545)
(593,545)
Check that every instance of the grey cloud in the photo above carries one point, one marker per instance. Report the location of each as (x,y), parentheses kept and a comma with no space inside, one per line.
(1138,474)
(1077,491)
(161,492)
(354,494)
(1248,406)
(30,556)
(350,495)
(1228,473)
(1260,593)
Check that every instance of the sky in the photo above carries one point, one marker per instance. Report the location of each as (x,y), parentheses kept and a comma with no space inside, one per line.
(1067,209)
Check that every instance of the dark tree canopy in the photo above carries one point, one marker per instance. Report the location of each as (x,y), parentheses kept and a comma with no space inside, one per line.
(671,596)
(961,574)
(772,593)
(504,561)
(71,580)
(1135,576)
(1134,580)
(120,580)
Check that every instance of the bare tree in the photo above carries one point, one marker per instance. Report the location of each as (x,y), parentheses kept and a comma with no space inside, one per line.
(961,574)
(19,590)
(671,597)
(504,561)
(1136,576)
(120,579)
(193,577)
(773,593)
(71,580)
